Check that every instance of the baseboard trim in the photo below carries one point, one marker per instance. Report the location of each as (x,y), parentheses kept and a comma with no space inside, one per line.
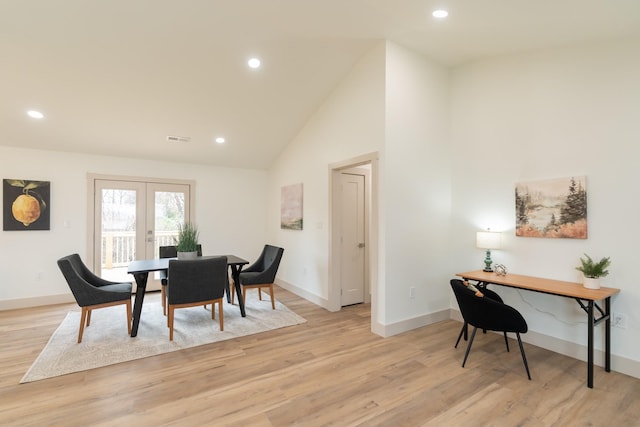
(303,293)
(15,304)
(619,364)
(413,323)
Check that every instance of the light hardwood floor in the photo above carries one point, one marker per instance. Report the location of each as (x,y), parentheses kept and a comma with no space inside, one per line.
(329,371)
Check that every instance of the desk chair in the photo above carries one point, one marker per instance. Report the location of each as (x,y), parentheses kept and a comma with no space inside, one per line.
(488,314)
(489,294)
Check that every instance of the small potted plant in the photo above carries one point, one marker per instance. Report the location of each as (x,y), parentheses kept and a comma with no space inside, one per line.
(187,241)
(593,271)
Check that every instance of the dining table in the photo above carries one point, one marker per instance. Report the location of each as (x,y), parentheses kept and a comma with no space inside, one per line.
(140,270)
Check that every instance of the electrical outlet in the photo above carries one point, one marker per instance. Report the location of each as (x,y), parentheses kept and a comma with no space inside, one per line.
(619,320)
(412,292)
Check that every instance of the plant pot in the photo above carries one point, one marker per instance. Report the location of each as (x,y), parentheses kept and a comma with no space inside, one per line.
(591,283)
(188,255)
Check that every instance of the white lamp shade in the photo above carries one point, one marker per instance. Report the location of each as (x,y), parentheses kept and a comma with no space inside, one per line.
(487,240)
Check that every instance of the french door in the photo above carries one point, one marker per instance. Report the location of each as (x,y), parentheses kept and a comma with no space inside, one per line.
(131,219)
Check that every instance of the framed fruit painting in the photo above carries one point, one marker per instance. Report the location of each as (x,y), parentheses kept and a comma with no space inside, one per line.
(25,204)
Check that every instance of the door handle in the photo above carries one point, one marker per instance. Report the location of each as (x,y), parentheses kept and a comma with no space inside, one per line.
(361,245)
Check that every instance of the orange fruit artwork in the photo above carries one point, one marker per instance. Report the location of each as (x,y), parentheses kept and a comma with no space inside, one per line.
(26,209)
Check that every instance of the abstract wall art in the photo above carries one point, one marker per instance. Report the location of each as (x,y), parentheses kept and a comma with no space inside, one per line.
(291,207)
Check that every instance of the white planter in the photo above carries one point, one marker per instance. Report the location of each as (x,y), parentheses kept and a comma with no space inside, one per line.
(590,283)
(188,255)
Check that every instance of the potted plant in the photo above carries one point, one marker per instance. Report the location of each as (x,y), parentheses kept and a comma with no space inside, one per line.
(187,241)
(593,271)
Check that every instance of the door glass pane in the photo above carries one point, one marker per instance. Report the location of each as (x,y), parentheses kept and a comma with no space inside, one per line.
(169,215)
(118,233)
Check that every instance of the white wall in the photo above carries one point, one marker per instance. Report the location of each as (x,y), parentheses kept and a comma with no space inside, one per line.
(230,211)
(348,124)
(552,114)
(417,190)
(394,102)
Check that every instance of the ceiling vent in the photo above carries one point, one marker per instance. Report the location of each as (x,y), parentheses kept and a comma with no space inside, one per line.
(178,138)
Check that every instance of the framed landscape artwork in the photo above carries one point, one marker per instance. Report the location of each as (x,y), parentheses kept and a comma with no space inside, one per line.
(554,208)
(25,204)
(291,207)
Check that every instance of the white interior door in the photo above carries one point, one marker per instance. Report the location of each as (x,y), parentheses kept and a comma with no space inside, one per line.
(131,220)
(352,239)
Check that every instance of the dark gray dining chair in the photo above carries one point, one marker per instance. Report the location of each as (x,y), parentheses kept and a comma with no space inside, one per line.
(92,292)
(196,282)
(261,274)
(168,252)
(488,314)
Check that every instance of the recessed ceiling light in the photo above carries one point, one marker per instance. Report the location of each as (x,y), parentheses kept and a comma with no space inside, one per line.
(440,13)
(254,63)
(35,114)
(220,140)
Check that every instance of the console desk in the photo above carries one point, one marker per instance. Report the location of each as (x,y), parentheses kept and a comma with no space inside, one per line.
(586,298)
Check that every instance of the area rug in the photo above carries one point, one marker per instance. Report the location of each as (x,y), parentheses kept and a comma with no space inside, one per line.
(106,342)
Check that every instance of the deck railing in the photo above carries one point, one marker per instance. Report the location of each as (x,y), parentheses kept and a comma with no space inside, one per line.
(119,247)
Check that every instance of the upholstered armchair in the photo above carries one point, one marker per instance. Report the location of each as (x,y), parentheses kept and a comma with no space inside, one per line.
(92,292)
(196,282)
(168,252)
(261,274)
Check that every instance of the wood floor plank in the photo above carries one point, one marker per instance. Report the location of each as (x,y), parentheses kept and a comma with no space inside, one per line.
(328,371)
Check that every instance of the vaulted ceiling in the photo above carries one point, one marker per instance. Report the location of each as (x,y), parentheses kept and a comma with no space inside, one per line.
(116,77)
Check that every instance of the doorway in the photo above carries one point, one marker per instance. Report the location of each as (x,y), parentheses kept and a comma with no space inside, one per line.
(354,286)
(130,219)
(353,244)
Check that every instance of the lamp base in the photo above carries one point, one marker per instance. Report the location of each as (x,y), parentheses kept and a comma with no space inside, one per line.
(487,262)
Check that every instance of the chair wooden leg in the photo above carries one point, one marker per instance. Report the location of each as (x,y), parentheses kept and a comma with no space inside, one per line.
(233,293)
(524,358)
(88,317)
(466,354)
(129,316)
(220,314)
(163,296)
(260,294)
(170,321)
(273,300)
(83,319)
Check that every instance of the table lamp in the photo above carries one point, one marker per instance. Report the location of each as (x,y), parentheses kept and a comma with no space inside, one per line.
(488,240)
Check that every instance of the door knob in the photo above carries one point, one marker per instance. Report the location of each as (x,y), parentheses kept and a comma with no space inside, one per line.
(361,245)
